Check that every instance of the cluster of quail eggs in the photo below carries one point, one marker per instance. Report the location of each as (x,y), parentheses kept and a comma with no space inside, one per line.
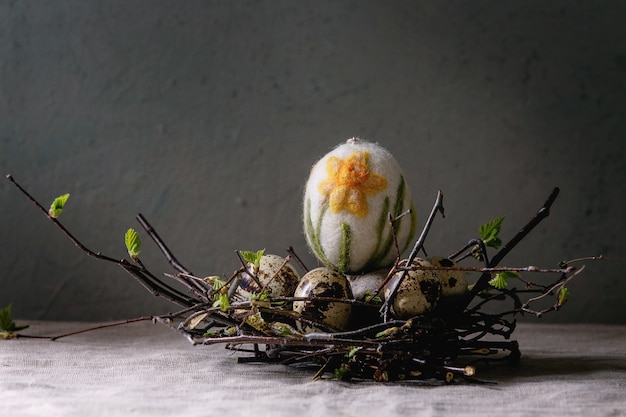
(417,294)
(349,195)
(317,288)
(319,292)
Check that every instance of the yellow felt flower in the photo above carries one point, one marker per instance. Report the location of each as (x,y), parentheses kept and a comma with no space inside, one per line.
(349,183)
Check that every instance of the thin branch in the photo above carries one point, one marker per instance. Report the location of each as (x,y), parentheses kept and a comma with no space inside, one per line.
(558,285)
(437,207)
(102,326)
(192,285)
(67,233)
(588,258)
(152,283)
(157,287)
(489,270)
(293,253)
(483,281)
(161,244)
(482,250)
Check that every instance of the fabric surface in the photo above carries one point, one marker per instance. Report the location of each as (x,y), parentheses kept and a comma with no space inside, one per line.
(145,369)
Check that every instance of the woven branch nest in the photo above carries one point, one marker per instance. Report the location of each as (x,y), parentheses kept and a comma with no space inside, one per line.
(444,344)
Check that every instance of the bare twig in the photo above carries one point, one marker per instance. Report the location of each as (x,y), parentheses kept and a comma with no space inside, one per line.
(293,253)
(437,207)
(192,285)
(149,281)
(102,326)
(483,281)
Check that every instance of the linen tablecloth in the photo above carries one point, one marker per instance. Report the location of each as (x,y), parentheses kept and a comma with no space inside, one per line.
(146,369)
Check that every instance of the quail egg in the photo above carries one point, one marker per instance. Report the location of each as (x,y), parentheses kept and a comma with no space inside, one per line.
(279,278)
(453,282)
(418,293)
(323,282)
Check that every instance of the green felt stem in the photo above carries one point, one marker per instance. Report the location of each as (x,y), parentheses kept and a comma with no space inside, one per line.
(346,239)
(313,233)
(382,251)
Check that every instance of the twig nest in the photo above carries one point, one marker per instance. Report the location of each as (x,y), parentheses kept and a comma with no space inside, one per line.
(348,198)
(418,292)
(327,283)
(453,282)
(273,274)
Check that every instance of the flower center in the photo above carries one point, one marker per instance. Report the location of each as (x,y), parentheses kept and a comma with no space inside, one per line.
(352,174)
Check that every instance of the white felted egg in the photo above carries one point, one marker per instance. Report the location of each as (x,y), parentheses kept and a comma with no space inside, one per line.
(347,201)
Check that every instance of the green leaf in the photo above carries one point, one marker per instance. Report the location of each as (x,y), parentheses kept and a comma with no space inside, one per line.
(353,351)
(253,257)
(367,296)
(133,243)
(211,280)
(387,332)
(283,329)
(217,283)
(221,301)
(6,319)
(501,279)
(563,296)
(489,232)
(57,205)
(343,372)
(7,325)
(259,297)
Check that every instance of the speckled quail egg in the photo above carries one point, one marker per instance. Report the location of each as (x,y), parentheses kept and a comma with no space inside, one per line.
(453,282)
(323,282)
(418,293)
(279,282)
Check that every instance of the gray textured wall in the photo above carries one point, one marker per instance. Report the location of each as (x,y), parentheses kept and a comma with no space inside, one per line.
(206,117)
